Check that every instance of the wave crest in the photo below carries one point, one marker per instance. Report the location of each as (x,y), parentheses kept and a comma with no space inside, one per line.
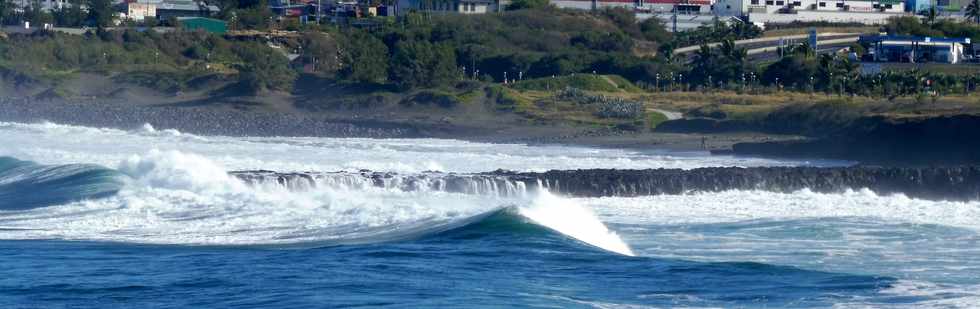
(179,198)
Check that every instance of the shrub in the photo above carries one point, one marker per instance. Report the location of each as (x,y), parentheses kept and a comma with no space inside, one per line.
(426,97)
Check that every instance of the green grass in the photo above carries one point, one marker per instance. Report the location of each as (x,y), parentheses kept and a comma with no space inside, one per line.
(624,84)
(157,80)
(438,97)
(654,119)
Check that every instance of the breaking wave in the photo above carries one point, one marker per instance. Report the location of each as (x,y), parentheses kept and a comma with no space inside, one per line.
(170,197)
(27,185)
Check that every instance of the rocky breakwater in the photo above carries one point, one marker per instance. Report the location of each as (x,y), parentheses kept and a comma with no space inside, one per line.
(482,184)
(936,183)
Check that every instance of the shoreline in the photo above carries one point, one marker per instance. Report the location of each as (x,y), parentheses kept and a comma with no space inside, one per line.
(878,141)
(254,122)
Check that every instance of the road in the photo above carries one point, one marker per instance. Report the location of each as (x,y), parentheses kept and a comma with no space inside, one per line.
(766,49)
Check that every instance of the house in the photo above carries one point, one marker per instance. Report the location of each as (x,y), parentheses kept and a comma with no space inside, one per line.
(167,9)
(676,14)
(871,12)
(294,8)
(46,5)
(450,7)
(889,48)
(137,11)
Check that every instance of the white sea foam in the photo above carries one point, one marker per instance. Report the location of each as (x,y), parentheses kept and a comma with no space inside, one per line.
(49,143)
(735,205)
(178,198)
(854,232)
(569,218)
(180,194)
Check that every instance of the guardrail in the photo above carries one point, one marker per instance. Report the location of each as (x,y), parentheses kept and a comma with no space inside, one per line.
(688,49)
(768,49)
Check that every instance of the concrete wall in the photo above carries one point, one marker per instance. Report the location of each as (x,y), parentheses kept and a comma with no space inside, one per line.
(831,16)
(684,22)
(730,7)
(472,8)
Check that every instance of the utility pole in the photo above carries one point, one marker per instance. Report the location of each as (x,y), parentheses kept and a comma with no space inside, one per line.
(674,18)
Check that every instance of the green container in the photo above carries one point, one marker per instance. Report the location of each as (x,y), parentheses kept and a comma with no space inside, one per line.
(207,24)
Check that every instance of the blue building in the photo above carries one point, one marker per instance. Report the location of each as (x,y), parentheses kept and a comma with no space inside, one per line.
(917,6)
(894,48)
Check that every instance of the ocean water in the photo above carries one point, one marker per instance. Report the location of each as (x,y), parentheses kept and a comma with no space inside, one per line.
(149,218)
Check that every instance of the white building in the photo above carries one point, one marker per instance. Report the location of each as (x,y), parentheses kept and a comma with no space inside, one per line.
(46,5)
(456,6)
(138,11)
(786,11)
(916,49)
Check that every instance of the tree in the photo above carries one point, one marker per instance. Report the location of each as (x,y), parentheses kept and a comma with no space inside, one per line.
(71,15)
(973,11)
(703,65)
(264,69)
(527,4)
(363,58)
(422,64)
(257,18)
(321,50)
(666,52)
(604,41)
(931,14)
(6,8)
(653,29)
(100,13)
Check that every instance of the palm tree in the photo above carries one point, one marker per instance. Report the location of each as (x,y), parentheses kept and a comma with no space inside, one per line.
(703,64)
(703,58)
(803,49)
(973,11)
(931,15)
(666,50)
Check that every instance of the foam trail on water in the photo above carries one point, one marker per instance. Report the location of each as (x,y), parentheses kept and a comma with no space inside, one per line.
(572,219)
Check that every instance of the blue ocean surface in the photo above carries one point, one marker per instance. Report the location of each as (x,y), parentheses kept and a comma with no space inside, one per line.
(172,229)
(500,261)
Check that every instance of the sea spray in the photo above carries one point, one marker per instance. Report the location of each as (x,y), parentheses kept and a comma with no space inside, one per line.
(570,218)
(173,197)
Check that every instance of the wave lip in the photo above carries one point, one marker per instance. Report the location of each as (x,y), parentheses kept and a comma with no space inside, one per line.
(27,185)
(172,197)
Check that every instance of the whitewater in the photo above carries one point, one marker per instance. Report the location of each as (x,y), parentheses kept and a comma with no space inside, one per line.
(78,193)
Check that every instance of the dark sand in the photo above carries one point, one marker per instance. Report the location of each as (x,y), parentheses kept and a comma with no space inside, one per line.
(259,120)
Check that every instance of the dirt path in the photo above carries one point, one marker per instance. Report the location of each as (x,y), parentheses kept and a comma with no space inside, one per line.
(670,115)
(611,82)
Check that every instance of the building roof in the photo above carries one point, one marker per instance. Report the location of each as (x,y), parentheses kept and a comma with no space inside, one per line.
(207,24)
(910,39)
(179,5)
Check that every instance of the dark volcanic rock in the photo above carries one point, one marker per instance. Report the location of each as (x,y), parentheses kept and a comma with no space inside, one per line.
(940,183)
(196,120)
(951,183)
(929,141)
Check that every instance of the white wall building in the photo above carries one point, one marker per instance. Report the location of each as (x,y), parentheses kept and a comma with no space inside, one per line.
(786,11)
(139,11)
(46,5)
(456,6)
